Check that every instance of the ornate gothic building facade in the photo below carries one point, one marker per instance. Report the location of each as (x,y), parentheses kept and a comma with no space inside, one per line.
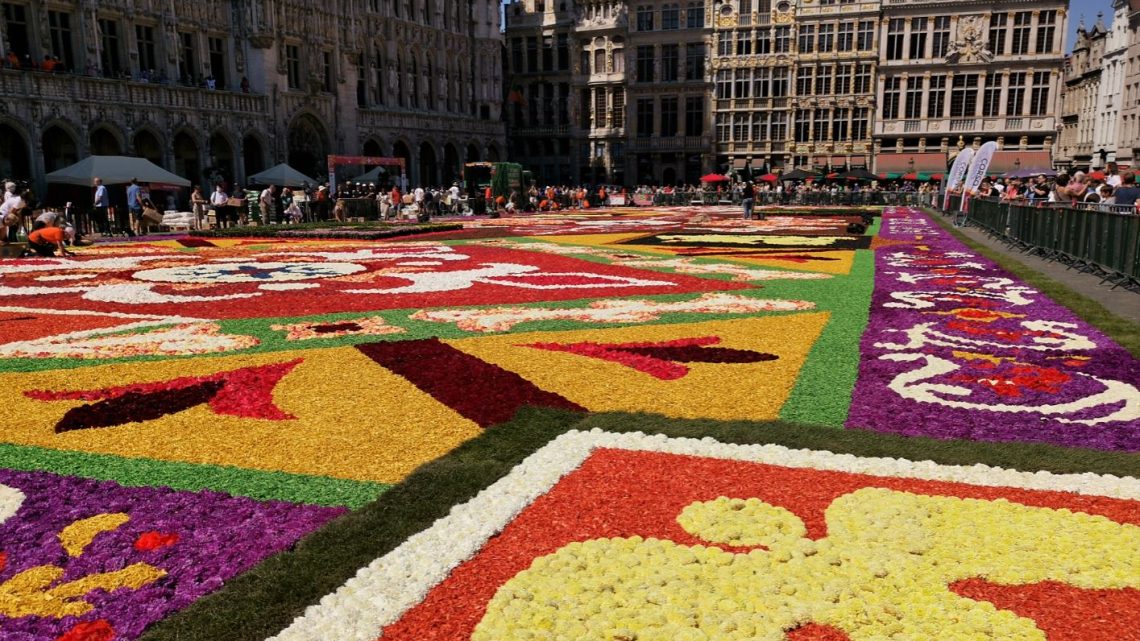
(222,89)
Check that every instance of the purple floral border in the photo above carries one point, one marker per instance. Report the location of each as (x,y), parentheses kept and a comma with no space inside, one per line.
(214,538)
(958,348)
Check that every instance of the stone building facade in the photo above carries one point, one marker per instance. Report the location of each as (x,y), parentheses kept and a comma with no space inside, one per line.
(1081,117)
(952,74)
(216,89)
(1128,136)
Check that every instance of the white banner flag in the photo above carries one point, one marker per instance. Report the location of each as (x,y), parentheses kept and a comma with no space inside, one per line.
(978,169)
(957,173)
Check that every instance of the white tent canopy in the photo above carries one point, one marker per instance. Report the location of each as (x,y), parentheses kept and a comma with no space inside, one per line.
(282,175)
(373,176)
(114,170)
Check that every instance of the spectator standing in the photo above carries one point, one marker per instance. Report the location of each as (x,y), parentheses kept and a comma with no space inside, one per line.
(1128,193)
(134,209)
(102,208)
(221,201)
(267,200)
(198,202)
(747,198)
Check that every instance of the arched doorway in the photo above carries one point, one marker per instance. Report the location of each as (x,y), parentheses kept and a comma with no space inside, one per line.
(372,148)
(493,153)
(472,153)
(60,149)
(669,176)
(401,150)
(15,161)
(147,145)
(104,143)
(308,146)
(187,158)
(429,174)
(450,164)
(252,154)
(221,165)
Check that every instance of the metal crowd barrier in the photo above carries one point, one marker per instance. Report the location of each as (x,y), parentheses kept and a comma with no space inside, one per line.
(1103,240)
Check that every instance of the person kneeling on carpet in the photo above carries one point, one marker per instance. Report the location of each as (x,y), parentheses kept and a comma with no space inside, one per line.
(44,240)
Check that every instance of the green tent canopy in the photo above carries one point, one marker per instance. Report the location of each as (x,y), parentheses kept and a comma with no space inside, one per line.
(114,170)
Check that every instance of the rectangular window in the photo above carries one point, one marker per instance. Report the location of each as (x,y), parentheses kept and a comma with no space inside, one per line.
(723,84)
(644,117)
(547,53)
(839,124)
(941,42)
(764,41)
(781,78)
(936,97)
(803,125)
(742,83)
(862,78)
(964,96)
(819,124)
(563,52)
(859,124)
(891,98)
(671,18)
(600,110)
(218,63)
(913,107)
(895,38)
(695,15)
(1039,98)
(843,80)
(740,127)
(619,61)
(617,116)
(695,116)
(599,61)
(997,33)
(744,43)
(917,38)
(779,129)
(293,66)
(16,23)
(187,58)
(645,18)
(111,54)
(807,38)
(669,122)
(1015,94)
(327,83)
(866,35)
(517,56)
(803,81)
(144,40)
(694,62)
(1021,27)
(826,38)
(59,25)
(645,63)
(724,43)
(1046,29)
(670,62)
(723,127)
(762,82)
(823,81)
(991,100)
(783,39)
(846,39)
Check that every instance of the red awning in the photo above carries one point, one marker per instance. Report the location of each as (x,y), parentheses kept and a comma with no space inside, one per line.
(1007,161)
(901,163)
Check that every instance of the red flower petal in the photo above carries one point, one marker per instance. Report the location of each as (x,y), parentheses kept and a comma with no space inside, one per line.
(98,630)
(154,540)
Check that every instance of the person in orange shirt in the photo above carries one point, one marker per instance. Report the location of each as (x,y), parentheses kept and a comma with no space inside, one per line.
(45,240)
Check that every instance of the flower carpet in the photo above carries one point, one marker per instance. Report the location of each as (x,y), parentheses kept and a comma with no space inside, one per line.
(650,424)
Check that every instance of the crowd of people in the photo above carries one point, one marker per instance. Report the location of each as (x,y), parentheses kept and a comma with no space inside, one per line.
(53,64)
(1108,188)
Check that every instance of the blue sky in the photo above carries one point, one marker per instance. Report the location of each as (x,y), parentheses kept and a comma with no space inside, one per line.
(1089,9)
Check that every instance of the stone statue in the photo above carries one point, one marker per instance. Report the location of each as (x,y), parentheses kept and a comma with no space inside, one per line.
(971,43)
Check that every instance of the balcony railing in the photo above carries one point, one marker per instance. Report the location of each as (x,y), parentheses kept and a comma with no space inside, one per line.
(963,124)
(671,143)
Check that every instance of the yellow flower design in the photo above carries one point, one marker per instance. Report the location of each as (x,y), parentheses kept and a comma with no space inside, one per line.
(882,572)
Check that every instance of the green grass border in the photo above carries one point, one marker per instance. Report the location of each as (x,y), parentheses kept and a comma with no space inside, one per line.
(263,601)
(144,472)
(1123,331)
